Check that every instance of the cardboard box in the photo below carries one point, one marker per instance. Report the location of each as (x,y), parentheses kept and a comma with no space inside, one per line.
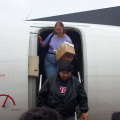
(33,66)
(66,49)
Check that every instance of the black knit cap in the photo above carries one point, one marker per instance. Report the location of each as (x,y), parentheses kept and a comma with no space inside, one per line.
(65,66)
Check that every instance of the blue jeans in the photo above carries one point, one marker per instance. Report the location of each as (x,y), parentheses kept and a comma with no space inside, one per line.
(51,64)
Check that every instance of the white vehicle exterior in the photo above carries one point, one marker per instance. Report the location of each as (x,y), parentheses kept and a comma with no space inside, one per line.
(101,67)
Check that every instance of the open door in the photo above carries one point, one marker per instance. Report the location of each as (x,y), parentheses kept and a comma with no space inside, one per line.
(78,59)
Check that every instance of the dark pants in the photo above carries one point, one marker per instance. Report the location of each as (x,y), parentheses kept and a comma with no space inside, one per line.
(69,118)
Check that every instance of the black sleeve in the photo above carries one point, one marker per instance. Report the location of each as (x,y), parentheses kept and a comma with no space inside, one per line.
(82,98)
(43,95)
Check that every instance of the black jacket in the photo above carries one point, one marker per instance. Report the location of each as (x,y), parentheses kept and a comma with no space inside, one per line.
(49,96)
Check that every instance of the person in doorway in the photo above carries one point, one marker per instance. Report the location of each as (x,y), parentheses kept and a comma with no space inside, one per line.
(50,63)
(115,116)
(41,114)
(63,92)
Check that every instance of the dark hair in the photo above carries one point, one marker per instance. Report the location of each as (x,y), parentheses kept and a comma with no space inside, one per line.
(41,114)
(60,24)
(116,116)
(65,66)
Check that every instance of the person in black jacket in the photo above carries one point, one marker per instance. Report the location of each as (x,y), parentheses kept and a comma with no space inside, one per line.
(63,92)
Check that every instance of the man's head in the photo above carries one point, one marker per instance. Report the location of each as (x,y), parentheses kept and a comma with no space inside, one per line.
(41,114)
(65,69)
(115,116)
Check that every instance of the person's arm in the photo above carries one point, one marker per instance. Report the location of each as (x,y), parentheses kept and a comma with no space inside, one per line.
(45,42)
(41,42)
(42,95)
(83,101)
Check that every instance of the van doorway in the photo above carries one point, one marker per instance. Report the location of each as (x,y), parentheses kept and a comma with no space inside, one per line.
(77,62)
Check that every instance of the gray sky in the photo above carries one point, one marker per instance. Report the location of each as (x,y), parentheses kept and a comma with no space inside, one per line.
(18,10)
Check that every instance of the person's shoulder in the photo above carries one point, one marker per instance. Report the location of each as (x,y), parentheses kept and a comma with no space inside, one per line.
(51,34)
(76,82)
(52,77)
(74,78)
(67,36)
